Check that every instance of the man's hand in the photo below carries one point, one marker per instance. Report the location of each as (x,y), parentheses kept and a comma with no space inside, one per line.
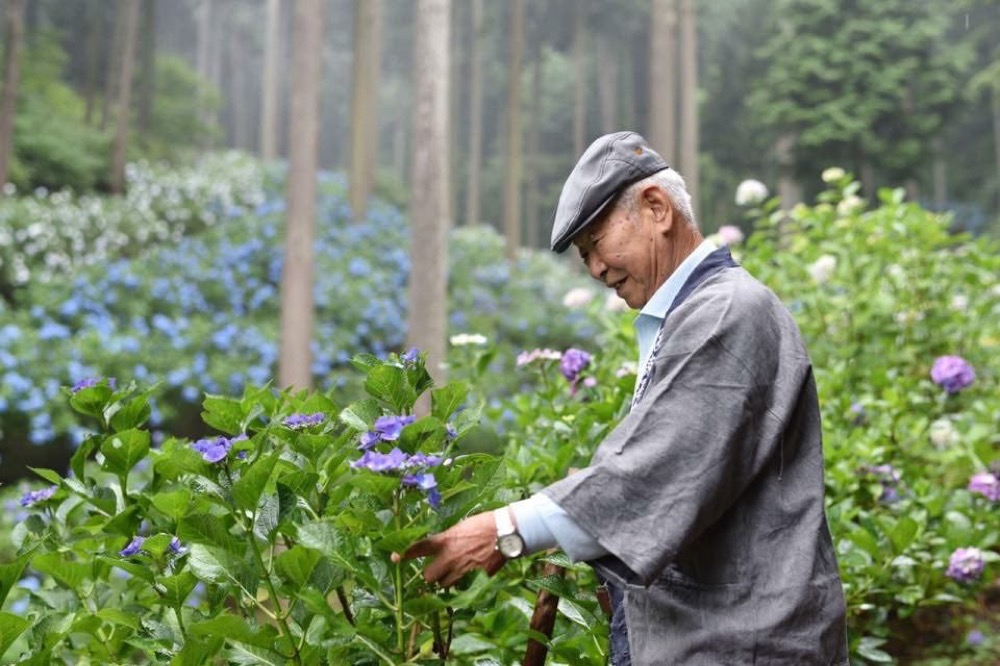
(468,545)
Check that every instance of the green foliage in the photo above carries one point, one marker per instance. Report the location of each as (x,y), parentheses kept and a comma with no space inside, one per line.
(176,126)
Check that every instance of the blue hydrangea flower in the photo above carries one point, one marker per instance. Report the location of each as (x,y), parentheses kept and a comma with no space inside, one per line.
(35,496)
(952,373)
(85,383)
(427,483)
(573,363)
(965,565)
(215,449)
(388,428)
(374,461)
(176,547)
(133,547)
(299,421)
(411,356)
(424,460)
(368,440)
(450,432)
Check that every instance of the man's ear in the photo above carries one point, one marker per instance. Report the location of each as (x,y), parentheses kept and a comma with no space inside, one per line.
(658,205)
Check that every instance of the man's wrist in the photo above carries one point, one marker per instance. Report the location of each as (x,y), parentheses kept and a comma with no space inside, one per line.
(509,542)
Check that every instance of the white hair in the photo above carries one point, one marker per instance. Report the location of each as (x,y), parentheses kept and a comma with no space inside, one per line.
(672,183)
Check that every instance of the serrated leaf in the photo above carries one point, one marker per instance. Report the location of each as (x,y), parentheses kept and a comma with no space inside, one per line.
(64,570)
(172,504)
(320,535)
(204,528)
(48,474)
(11,573)
(362,414)
(91,401)
(11,626)
(448,398)
(296,565)
(78,460)
(389,384)
(223,413)
(176,589)
(140,571)
(235,628)
(247,490)
(124,449)
(198,653)
(118,616)
(133,413)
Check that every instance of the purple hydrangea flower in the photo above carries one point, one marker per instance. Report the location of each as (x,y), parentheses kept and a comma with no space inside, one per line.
(858,414)
(449,432)
(34,496)
(411,356)
(213,450)
(965,565)
(368,440)
(133,547)
(374,461)
(423,460)
(986,484)
(389,428)
(176,547)
(975,638)
(889,476)
(952,373)
(427,483)
(85,383)
(299,421)
(573,363)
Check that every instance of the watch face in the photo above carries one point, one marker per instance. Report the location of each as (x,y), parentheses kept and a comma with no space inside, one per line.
(510,545)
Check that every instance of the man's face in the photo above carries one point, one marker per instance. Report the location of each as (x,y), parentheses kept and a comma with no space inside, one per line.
(623,250)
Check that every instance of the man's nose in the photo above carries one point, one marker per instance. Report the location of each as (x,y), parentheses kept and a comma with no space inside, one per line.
(596,267)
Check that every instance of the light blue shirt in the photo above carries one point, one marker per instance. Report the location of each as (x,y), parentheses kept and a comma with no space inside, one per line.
(540,521)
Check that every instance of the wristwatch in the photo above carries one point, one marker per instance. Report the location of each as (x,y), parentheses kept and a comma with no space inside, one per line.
(509,542)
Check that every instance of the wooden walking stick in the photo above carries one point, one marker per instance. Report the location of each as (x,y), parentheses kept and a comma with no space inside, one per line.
(543,620)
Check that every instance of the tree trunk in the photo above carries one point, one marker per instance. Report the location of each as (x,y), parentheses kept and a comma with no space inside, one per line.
(239,106)
(11,79)
(215,43)
(995,98)
(399,143)
(663,92)
(270,91)
(689,101)
(475,117)
(120,148)
(364,103)
(789,191)
(533,195)
(294,369)
(513,166)
(430,217)
(940,174)
(148,78)
(580,85)
(607,83)
(95,34)
(113,64)
(201,60)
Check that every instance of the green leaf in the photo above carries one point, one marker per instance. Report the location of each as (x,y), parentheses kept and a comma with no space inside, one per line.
(448,398)
(118,616)
(903,533)
(575,613)
(224,414)
(207,529)
(361,414)
(172,504)
(198,653)
(11,626)
(365,362)
(140,571)
(247,655)
(869,649)
(311,446)
(296,565)
(48,475)
(389,384)
(91,401)
(69,573)
(247,490)
(470,644)
(176,589)
(397,541)
(215,565)
(133,413)
(78,461)
(320,535)
(124,449)
(11,573)
(235,628)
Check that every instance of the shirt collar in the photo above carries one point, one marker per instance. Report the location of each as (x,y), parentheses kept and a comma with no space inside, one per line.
(663,298)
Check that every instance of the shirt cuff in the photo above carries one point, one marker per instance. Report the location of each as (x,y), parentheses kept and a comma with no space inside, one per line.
(543,524)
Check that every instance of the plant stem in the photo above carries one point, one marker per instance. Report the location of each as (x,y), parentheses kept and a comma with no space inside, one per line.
(398,580)
(345,604)
(281,617)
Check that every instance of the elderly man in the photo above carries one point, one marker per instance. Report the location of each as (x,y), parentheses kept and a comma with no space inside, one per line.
(703,510)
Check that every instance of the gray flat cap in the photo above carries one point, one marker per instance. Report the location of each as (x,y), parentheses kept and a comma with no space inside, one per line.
(611,163)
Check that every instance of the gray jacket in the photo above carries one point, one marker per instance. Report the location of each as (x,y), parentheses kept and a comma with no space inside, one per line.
(709,493)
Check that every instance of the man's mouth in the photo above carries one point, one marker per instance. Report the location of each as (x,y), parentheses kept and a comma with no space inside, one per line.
(618,285)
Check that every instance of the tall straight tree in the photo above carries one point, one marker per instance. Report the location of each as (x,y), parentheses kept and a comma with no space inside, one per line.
(114,62)
(13,37)
(364,103)
(147,91)
(475,116)
(120,146)
(95,33)
(270,90)
(580,84)
(513,167)
(663,65)
(430,217)
(297,315)
(689,100)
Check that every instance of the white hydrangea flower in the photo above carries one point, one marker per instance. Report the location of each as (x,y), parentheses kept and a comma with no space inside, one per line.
(896,272)
(750,192)
(908,317)
(614,303)
(960,302)
(850,204)
(832,175)
(463,339)
(577,297)
(822,269)
(730,234)
(943,433)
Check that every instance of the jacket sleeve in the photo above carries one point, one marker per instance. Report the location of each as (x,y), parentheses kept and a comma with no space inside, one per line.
(729,372)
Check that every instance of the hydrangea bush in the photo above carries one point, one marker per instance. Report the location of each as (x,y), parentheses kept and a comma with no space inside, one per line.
(268,543)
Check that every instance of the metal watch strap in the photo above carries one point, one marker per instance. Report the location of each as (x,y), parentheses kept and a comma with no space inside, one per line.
(505,525)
